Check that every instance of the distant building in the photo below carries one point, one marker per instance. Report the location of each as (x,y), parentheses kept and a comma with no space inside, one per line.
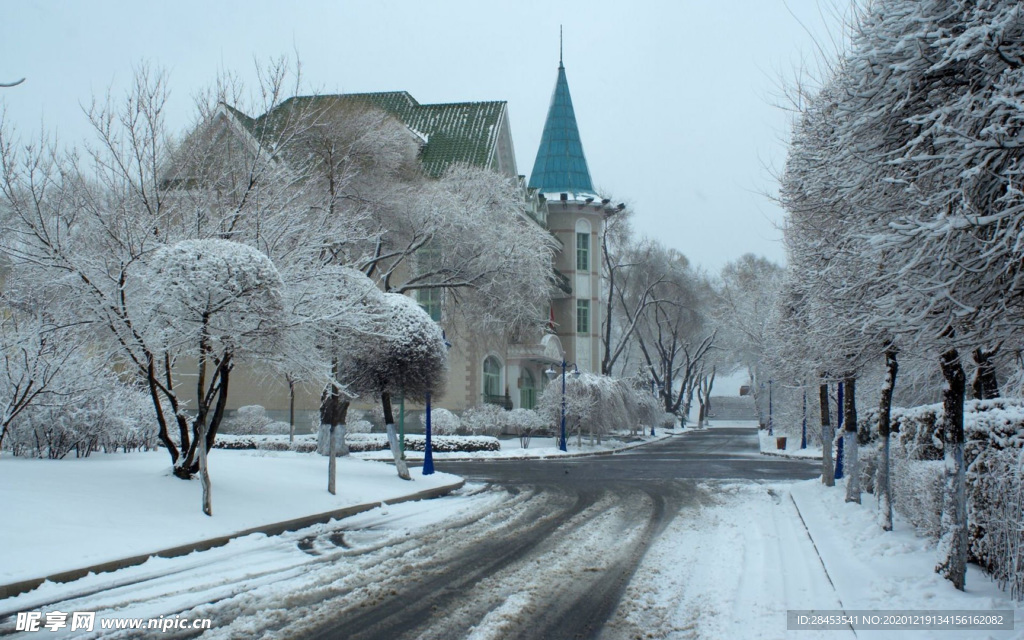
(559,196)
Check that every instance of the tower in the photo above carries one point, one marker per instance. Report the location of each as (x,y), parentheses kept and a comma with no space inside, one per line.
(575,215)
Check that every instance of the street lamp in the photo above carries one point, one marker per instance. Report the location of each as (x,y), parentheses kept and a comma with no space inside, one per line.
(551,373)
(428,450)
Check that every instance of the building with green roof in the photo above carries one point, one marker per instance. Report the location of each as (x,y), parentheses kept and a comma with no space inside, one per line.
(559,196)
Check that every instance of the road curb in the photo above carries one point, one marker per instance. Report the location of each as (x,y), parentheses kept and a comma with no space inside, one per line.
(584,454)
(789,457)
(271,529)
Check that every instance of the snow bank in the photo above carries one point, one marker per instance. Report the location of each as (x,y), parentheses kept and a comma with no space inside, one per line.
(59,516)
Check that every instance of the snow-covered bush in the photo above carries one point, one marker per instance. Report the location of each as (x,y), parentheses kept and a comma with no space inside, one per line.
(668,421)
(101,413)
(442,422)
(484,420)
(359,426)
(525,423)
(249,420)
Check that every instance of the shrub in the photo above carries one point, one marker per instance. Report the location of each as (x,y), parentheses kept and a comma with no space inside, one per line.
(249,420)
(484,419)
(359,426)
(112,417)
(442,422)
(525,423)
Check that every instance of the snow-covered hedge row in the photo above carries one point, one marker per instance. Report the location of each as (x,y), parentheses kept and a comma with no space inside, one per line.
(439,444)
(994,455)
(302,444)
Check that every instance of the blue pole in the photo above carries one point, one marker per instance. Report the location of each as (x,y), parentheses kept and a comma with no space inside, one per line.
(839,443)
(561,442)
(803,434)
(655,392)
(428,452)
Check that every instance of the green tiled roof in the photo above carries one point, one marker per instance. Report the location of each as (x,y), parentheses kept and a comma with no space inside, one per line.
(463,132)
(560,165)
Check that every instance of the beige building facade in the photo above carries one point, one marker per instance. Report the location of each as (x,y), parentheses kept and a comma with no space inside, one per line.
(558,196)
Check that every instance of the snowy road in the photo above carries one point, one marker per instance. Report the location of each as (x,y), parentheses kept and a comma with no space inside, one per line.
(540,549)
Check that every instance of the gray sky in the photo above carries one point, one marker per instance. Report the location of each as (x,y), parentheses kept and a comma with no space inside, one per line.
(674,99)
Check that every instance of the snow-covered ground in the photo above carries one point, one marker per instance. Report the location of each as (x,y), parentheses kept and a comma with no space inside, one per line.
(734,568)
(728,566)
(66,514)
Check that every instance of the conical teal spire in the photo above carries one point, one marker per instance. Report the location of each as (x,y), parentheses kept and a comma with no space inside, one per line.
(560,166)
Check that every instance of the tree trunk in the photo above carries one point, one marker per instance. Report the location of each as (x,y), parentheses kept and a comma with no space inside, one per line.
(884,488)
(163,433)
(204,472)
(332,465)
(396,452)
(953,541)
(985,386)
(827,436)
(333,414)
(850,440)
(213,426)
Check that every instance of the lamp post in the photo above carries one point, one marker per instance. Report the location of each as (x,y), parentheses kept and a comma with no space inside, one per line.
(551,373)
(771,431)
(428,450)
(428,453)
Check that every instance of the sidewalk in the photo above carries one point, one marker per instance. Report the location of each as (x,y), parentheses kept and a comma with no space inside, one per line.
(875,570)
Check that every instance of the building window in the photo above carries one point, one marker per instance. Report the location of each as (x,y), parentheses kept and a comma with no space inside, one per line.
(582,251)
(583,316)
(528,391)
(430,300)
(492,379)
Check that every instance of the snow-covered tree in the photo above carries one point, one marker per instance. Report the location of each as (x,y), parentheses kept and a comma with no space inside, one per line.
(745,296)
(409,358)
(76,224)
(214,302)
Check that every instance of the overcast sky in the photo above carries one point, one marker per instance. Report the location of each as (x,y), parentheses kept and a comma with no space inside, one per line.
(675,100)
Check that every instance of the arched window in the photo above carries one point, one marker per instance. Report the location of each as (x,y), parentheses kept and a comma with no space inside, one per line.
(528,390)
(492,379)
